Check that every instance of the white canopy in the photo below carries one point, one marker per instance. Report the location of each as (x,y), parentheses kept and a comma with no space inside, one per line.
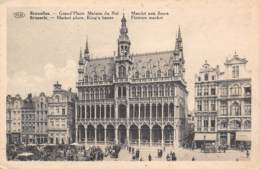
(205,136)
(243,136)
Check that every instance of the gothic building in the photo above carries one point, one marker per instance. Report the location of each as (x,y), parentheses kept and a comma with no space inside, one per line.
(132,99)
(223,104)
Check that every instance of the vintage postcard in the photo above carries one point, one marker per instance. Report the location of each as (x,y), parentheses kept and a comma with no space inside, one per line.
(102,84)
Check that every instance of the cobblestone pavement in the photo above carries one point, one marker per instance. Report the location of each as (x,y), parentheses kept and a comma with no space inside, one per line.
(183,155)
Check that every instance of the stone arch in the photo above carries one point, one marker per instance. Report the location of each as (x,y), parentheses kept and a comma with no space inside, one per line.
(100,133)
(90,133)
(247,124)
(235,124)
(156,134)
(81,133)
(110,133)
(145,134)
(168,133)
(122,134)
(133,134)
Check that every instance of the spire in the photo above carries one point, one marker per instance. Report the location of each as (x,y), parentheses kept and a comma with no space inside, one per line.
(80,58)
(86,49)
(86,52)
(178,43)
(179,33)
(123,30)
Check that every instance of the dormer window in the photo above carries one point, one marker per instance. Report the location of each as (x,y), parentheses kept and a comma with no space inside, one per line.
(122,71)
(147,74)
(136,75)
(206,77)
(158,73)
(235,71)
(95,78)
(199,79)
(104,77)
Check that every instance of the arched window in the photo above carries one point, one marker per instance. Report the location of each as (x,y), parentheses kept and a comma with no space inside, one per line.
(206,77)
(155,91)
(92,94)
(235,124)
(95,78)
(137,75)
(57,98)
(101,93)
(122,71)
(144,91)
(223,124)
(247,124)
(147,74)
(104,77)
(235,90)
(161,91)
(87,94)
(139,91)
(159,73)
(169,73)
(133,92)
(96,94)
(150,91)
(235,109)
(167,90)
(119,91)
(124,91)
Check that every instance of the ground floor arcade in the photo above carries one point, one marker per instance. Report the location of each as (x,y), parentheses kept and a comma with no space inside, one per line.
(123,134)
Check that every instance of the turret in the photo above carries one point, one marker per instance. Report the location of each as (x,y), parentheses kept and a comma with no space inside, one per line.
(123,40)
(86,52)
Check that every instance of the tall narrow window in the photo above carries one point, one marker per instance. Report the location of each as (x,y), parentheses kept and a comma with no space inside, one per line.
(122,71)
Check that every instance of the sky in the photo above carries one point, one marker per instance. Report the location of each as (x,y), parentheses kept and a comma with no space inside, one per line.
(39,53)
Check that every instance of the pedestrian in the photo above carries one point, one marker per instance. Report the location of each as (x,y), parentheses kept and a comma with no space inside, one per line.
(149,157)
(193,159)
(247,153)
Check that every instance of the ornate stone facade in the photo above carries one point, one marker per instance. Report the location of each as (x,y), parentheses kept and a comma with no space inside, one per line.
(61,116)
(132,99)
(223,104)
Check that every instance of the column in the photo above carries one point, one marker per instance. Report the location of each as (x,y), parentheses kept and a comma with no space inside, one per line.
(95,112)
(150,135)
(105,112)
(150,112)
(86,135)
(156,105)
(228,139)
(139,111)
(127,135)
(116,134)
(95,129)
(139,136)
(162,136)
(77,135)
(176,138)
(162,111)
(105,128)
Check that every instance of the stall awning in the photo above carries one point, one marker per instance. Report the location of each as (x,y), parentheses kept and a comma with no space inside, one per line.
(243,136)
(205,136)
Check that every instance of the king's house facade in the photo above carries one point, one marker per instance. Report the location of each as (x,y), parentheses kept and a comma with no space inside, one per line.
(138,99)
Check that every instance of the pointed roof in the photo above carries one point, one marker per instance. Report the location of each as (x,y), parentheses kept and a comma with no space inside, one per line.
(179,33)
(86,49)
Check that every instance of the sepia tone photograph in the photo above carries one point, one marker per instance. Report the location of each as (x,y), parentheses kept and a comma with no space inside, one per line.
(138,82)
